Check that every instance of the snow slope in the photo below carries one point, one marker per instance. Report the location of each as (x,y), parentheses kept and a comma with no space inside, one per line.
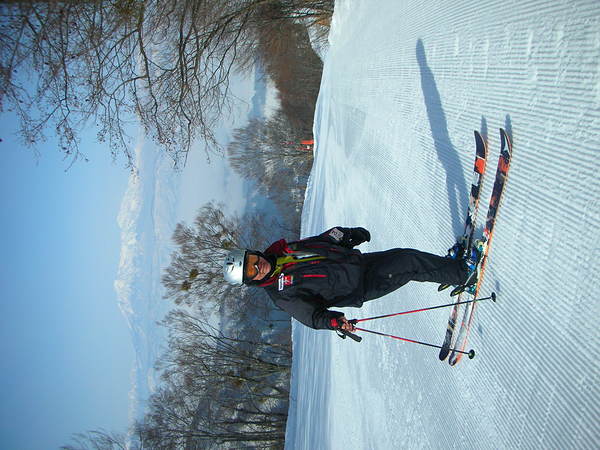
(404,85)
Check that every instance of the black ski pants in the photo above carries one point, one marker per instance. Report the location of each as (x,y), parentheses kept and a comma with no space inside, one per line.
(388,270)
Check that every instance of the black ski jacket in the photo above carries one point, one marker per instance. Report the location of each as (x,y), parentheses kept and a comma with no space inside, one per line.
(307,289)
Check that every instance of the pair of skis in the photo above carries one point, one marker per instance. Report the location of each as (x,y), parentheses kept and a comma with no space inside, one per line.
(483,244)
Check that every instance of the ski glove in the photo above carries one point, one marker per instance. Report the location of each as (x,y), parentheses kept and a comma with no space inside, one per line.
(356,237)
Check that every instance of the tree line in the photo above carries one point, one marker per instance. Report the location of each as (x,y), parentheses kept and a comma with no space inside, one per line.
(269,150)
(165,63)
(224,376)
(225,373)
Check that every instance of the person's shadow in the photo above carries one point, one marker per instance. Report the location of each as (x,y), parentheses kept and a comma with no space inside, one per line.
(447,154)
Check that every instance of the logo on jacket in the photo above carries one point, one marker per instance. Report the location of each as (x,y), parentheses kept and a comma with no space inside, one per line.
(285,280)
(336,234)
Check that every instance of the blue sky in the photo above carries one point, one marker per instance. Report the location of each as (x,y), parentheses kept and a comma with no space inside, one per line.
(66,349)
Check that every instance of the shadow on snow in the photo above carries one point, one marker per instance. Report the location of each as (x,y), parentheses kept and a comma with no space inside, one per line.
(447,154)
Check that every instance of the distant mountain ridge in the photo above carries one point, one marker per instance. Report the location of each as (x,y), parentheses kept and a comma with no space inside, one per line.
(147,219)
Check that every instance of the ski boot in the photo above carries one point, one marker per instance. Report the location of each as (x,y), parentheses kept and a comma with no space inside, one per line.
(457,251)
(473,264)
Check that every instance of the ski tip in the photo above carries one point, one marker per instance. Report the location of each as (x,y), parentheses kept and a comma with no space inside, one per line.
(494,297)
(471,354)
(505,140)
(481,144)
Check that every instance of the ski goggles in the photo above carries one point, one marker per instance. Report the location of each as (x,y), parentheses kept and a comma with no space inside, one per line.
(251,266)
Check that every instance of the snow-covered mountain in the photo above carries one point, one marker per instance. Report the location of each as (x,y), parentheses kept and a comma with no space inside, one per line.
(147,220)
(404,85)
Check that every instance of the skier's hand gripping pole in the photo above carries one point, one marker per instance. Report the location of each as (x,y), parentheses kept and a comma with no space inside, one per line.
(346,329)
(344,333)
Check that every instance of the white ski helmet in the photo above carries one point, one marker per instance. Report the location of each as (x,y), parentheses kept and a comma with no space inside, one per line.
(233,267)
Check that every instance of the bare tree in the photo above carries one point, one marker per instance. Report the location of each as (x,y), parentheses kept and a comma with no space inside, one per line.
(218,390)
(100,440)
(166,63)
(195,275)
(196,266)
(271,154)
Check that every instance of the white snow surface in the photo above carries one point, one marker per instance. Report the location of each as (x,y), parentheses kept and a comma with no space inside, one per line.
(404,85)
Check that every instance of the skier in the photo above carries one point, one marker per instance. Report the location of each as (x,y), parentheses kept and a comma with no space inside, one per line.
(305,278)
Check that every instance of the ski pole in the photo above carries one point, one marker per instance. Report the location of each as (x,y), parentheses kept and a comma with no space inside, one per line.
(343,333)
(491,297)
(470,353)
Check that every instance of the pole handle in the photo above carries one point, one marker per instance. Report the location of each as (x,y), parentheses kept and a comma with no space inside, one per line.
(344,333)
